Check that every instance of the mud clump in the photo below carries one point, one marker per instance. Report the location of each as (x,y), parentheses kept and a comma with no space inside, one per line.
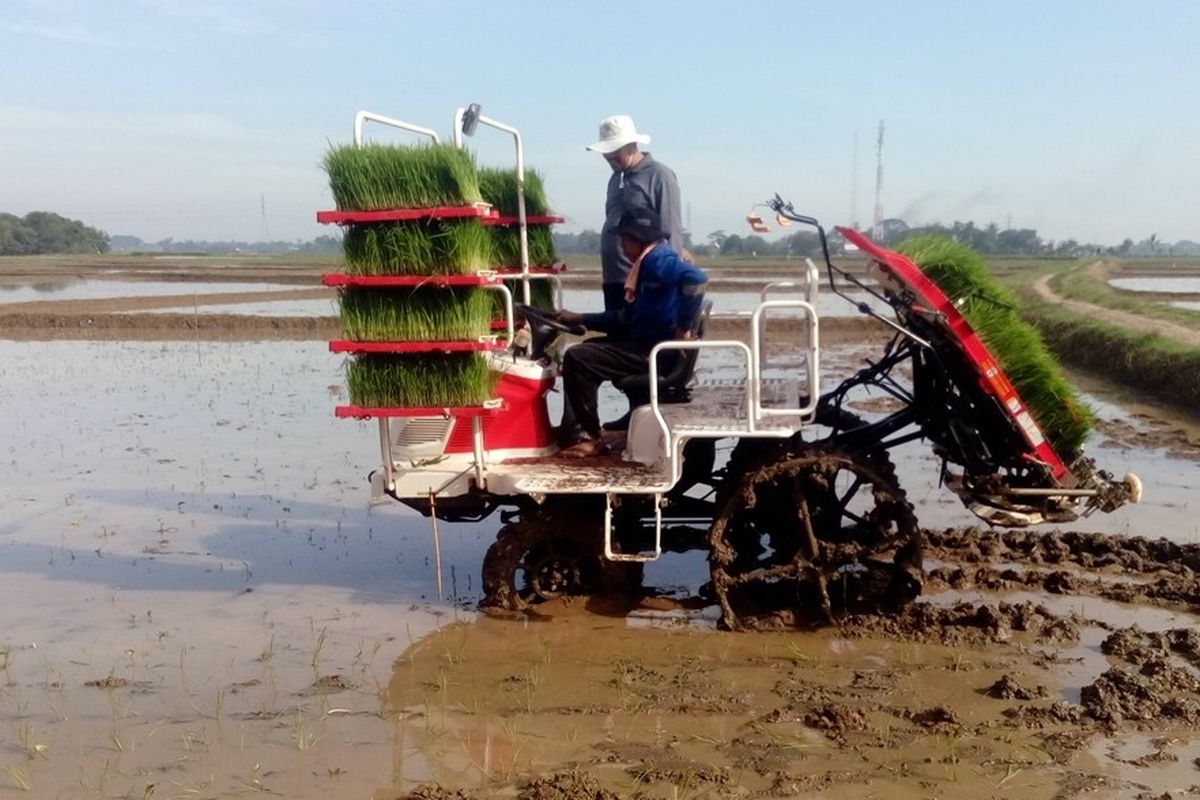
(330,684)
(1158,692)
(1138,646)
(1008,688)
(1132,554)
(570,785)
(682,774)
(109,682)
(968,624)
(429,792)
(835,719)
(1039,717)
(940,719)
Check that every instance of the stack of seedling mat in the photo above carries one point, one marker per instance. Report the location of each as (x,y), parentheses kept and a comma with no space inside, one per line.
(499,189)
(415,314)
(991,310)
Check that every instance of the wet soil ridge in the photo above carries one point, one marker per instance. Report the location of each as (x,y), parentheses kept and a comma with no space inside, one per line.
(1123,569)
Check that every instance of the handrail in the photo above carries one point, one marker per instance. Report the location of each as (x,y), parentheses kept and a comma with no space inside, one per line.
(812,279)
(362,117)
(508,307)
(813,352)
(699,344)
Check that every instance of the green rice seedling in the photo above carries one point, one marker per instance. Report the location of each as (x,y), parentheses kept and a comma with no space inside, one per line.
(506,246)
(303,735)
(407,381)
(379,176)
(541,295)
(499,189)
(991,310)
(418,247)
(418,314)
(19,776)
(318,646)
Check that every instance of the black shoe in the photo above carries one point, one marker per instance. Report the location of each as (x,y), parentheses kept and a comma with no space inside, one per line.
(566,435)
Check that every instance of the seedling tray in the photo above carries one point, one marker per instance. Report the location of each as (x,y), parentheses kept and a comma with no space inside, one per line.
(481,210)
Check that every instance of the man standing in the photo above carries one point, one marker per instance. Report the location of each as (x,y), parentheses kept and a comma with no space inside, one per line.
(638,181)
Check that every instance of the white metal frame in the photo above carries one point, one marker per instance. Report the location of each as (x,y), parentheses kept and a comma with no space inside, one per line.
(524,235)
(363,117)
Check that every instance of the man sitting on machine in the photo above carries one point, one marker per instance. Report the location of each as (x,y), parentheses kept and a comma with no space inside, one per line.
(663,297)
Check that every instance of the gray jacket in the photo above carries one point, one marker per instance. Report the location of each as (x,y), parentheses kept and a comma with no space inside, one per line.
(649,183)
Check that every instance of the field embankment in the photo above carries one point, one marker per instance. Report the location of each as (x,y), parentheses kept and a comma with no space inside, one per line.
(1142,343)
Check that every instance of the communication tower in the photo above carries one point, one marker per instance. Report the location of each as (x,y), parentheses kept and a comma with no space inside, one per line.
(877,228)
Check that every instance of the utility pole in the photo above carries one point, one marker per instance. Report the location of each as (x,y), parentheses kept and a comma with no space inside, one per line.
(266,231)
(854,185)
(877,228)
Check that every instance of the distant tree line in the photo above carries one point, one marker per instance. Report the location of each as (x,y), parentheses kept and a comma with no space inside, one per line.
(42,232)
(989,240)
(133,244)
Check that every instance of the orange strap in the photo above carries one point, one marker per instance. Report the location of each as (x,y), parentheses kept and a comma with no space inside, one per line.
(631,280)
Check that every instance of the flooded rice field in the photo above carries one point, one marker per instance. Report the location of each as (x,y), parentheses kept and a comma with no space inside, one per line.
(199,602)
(270,308)
(93,289)
(1171,285)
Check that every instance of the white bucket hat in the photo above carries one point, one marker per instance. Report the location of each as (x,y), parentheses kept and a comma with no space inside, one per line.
(616,132)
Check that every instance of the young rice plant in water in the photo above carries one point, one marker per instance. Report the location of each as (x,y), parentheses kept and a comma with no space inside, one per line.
(991,310)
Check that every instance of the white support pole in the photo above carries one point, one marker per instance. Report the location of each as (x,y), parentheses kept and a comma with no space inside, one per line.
(385,447)
(363,117)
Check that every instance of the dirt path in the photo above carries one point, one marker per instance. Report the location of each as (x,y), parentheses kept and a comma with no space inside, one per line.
(1170,330)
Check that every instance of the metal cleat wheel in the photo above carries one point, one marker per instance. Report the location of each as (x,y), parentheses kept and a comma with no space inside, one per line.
(806,535)
(552,552)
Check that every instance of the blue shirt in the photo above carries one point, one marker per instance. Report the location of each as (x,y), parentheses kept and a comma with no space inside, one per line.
(669,294)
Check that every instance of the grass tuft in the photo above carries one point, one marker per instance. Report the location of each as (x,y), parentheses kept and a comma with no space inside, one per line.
(421,314)
(991,310)
(390,381)
(376,177)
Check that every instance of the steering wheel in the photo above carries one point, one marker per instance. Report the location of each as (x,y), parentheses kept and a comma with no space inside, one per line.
(537,316)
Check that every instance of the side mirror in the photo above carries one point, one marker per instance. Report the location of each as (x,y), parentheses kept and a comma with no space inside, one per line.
(470,120)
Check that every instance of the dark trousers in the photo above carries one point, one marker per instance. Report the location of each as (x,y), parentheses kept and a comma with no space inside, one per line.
(591,363)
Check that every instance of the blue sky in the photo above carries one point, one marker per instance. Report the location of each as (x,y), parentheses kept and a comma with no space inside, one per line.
(178,118)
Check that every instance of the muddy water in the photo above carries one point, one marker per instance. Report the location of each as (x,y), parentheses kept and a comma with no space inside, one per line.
(185,528)
(664,707)
(197,602)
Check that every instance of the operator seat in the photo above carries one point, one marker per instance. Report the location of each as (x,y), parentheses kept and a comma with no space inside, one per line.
(673,382)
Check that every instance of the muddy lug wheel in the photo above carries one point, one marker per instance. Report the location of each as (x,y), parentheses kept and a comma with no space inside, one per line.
(807,535)
(549,553)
